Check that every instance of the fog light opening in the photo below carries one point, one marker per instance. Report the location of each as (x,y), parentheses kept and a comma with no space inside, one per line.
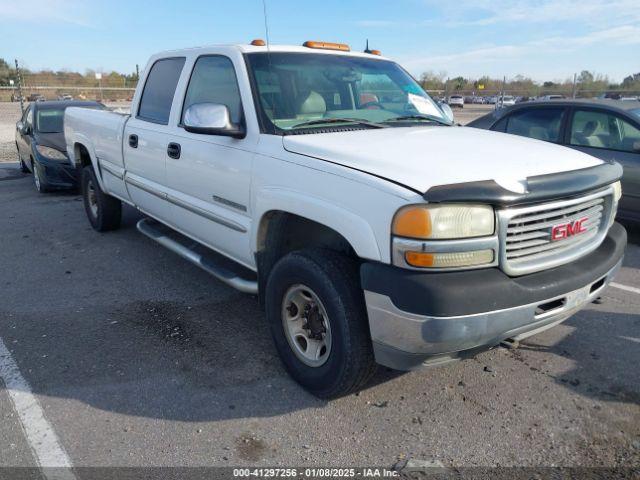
(597,286)
(545,308)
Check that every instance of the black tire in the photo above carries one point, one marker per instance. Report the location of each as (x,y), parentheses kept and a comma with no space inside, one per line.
(38,182)
(334,278)
(104,211)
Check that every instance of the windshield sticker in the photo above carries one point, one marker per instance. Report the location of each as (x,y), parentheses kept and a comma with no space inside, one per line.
(423,105)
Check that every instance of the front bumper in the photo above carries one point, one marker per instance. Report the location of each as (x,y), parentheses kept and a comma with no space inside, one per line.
(418,318)
(57,174)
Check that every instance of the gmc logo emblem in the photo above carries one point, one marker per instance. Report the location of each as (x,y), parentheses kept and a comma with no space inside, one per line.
(569,229)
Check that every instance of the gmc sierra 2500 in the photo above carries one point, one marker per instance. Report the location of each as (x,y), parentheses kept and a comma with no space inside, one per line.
(373,229)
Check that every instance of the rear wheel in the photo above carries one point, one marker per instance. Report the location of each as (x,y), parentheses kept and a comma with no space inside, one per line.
(318,320)
(104,211)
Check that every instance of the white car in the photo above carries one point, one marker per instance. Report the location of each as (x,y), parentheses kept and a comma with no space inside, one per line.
(506,101)
(372,228)
(456,101)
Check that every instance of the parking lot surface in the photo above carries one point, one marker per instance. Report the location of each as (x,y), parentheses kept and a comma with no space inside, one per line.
(137,358)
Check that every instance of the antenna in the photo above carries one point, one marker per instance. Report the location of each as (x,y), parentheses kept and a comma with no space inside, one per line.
(366,49)
(266,23)
(266,33)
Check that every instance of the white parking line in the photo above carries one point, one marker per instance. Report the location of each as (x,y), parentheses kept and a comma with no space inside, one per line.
(625,287)
(48,452)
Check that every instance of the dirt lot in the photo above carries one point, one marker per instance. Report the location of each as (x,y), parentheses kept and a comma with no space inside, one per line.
(138,358)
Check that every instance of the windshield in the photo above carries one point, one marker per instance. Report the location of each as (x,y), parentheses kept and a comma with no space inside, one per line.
(50,120)
(300,90)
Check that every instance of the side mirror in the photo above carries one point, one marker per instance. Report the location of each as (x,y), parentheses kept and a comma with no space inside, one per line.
(211,119)
(20,127)
(448,113)
(636,146)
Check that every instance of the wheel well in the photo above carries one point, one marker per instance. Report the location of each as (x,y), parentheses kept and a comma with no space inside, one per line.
(281,232)
(81,155)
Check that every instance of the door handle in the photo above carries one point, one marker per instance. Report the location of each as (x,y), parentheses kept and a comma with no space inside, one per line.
(133,141)
(173,150)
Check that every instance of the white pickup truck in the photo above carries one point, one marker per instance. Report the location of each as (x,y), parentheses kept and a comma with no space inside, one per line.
(373,229)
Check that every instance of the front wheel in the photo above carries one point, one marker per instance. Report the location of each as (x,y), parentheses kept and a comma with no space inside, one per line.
(104,211)
(318,320)
(37,180)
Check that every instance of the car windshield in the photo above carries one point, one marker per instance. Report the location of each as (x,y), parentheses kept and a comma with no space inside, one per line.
(50,120)
(301,90)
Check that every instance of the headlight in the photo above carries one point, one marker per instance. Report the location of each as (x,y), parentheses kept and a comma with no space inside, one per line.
(439,222)
(447,236)
(51,153)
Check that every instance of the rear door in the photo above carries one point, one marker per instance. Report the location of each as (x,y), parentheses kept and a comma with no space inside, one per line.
(609,136)
(145,138)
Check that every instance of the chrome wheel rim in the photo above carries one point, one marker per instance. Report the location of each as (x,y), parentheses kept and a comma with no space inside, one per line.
(92,199)
(306,325)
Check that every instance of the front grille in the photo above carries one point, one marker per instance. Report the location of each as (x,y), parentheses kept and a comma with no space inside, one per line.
(543,236)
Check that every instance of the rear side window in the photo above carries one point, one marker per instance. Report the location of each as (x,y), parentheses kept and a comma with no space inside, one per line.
(538,123)
(214,81)
(159,89)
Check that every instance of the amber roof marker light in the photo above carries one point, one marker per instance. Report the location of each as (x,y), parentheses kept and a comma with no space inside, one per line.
(258,42)
(343,47)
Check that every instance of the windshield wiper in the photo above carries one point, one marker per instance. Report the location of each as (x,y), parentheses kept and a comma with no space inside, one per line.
(422,118)
(321,121)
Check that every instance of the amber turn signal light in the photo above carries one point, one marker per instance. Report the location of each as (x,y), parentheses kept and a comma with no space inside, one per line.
(412,222)
(419,259)
(327,46)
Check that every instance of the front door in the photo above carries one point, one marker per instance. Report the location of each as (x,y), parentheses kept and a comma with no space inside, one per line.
(209,175)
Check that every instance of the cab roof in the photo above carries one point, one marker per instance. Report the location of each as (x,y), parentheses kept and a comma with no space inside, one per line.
(247,48)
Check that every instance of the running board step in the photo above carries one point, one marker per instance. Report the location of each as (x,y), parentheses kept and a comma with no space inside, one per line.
(211,262)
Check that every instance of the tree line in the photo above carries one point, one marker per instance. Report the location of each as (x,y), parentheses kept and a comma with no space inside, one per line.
(586,83)
(65,78)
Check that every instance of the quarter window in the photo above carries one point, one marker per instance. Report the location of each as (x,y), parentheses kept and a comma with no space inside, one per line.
(538,123)
(214,81)
(159,89)
(597,129)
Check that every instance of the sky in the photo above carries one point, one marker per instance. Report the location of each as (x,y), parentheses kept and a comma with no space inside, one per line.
(543,39)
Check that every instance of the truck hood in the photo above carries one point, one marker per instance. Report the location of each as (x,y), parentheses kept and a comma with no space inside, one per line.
(426,156)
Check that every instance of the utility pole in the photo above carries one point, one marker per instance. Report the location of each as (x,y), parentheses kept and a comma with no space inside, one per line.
(19,78)
(504,81)
(573,89)
(137,73)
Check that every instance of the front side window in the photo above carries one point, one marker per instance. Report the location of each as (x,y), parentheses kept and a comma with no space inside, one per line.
(313,90)
(539,123)
(29,120)
(597,129)
(159,89)
(214,81)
